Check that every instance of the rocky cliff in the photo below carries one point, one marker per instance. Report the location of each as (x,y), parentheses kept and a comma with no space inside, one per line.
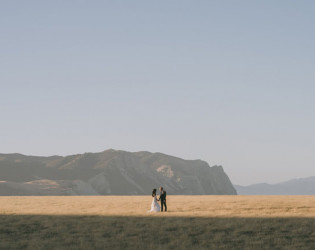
(110,172)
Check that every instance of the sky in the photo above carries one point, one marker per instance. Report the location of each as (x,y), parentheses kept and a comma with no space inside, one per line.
(228,82)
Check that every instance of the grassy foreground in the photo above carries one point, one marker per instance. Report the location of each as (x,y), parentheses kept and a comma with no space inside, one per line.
(193,222)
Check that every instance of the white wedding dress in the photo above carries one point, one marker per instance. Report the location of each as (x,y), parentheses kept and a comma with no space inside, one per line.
(155,206)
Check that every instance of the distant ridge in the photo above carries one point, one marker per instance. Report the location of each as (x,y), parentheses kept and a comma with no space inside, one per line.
(112,172)
(301,186)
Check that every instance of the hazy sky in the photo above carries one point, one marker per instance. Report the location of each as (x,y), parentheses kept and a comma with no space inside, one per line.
(229,82)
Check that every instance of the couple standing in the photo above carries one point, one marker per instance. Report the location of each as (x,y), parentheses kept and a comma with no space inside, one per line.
(155,206)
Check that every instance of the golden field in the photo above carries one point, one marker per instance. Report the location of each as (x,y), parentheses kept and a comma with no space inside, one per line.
(192,222)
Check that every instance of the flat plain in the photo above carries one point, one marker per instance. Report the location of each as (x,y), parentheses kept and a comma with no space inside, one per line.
(123,222)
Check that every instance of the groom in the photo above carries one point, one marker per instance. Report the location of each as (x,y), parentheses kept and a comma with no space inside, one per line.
(163,199)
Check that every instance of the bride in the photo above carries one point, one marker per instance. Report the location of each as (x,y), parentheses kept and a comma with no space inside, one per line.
(155,206)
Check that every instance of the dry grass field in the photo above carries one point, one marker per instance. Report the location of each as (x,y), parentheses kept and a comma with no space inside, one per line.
(192,222)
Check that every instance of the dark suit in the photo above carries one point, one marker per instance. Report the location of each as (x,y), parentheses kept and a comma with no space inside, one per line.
(163,200)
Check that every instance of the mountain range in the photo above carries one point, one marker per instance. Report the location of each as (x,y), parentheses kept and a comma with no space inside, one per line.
(302,186)
(112,172)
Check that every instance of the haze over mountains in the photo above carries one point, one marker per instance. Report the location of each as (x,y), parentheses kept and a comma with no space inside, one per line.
(110,172)
(302,186)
